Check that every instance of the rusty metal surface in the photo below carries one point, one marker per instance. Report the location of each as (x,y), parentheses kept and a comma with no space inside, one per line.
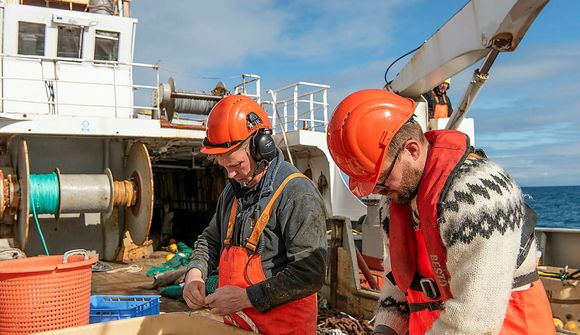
(331,322)
(138,170)
(23,167)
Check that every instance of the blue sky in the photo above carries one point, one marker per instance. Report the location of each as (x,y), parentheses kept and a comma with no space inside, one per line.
(527,115)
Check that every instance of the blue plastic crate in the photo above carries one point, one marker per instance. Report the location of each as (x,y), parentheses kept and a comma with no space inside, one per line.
(116,307)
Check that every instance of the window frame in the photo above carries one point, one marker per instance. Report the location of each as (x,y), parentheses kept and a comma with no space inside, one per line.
(105,37)
(80,44)
(20,51)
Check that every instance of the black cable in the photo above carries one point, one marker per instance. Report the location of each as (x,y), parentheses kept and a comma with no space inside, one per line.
(398,59)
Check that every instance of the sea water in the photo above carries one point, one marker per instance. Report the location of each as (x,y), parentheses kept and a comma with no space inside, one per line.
(556,206)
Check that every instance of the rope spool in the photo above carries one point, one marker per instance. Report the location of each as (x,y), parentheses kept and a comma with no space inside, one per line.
(125,193)
(44,193)
(189,106)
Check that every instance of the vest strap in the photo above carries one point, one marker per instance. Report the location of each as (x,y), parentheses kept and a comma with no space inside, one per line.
(437,98)
(438,305)
(231,222)
(252,241)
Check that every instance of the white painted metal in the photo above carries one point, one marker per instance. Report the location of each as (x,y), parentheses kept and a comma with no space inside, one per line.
(467,126)
(81,86)
(372,243)
(310,151)
(560,247)
(466,38)
(93,126)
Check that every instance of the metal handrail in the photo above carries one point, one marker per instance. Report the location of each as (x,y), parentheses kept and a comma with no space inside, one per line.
(79,60)
(101,63)
(290,121)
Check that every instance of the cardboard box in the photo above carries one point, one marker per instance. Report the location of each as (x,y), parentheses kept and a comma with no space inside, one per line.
(162,324)
(564,295)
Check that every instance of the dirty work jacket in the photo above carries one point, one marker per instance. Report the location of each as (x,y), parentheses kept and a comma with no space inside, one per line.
(293,245)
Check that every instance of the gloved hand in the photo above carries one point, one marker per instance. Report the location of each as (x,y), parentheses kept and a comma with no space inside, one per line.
(383,330)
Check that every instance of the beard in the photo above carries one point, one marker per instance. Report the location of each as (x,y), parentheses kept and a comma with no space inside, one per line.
(409,185)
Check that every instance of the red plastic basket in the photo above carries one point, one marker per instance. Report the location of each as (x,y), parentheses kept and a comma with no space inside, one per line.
(45,293)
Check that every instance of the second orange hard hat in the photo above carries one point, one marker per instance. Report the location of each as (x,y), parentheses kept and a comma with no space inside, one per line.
(360,132)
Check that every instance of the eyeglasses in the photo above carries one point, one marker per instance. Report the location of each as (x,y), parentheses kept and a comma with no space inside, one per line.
(384,180)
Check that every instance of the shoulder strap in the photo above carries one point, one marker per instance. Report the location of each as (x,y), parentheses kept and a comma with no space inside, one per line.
(252,241)
(231,222)
(435,97)
(437,178)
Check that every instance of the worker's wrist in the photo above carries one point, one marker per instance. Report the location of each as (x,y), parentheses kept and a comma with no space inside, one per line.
(193,274)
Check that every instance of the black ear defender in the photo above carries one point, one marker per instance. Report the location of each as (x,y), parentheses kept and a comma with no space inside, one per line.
(262,146)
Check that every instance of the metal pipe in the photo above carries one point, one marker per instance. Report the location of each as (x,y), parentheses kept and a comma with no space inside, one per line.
(275,110)
(336,235)
(84,193)
(362,265)
(477,81)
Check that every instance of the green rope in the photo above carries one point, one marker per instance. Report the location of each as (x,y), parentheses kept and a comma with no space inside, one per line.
(211,284)
(44,189)
(39,230)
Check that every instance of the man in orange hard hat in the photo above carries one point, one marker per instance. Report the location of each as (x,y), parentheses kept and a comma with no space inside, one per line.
(438,103)
(461,244)
(268,234)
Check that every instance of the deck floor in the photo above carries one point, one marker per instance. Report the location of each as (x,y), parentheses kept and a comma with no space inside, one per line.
(125,283)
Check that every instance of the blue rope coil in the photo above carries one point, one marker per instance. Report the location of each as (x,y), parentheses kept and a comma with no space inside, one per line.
(44,193)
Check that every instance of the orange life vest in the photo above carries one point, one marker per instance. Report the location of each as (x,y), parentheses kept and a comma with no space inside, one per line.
(418,257)
(441,109)
(242,267)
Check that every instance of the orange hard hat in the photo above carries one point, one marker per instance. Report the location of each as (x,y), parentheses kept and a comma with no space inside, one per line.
(360,132)
(231,121)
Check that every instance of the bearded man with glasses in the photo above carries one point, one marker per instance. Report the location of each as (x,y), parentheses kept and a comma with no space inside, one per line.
(461,242)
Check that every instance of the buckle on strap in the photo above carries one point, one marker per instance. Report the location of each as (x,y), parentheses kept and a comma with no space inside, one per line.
(438,305)
(429,288)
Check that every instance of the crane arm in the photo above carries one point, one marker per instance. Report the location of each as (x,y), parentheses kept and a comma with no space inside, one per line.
(470,35)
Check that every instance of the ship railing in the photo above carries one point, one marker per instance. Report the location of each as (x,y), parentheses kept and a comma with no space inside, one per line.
(136,109)
(301,105)
(250,83)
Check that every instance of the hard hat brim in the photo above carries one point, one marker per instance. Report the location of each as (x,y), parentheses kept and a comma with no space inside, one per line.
(218,150)
(362,188)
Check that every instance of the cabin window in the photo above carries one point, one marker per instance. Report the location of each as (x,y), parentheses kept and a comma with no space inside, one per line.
(31,38)
(106,45)
(70,42)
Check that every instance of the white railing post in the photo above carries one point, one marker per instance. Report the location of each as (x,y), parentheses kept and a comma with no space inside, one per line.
(285,116)
(325,108)
(258,90)
(274,111)
(158,116)
(295,107)
(312,111)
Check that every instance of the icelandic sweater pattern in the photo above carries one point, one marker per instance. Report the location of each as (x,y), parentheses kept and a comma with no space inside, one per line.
(480,223)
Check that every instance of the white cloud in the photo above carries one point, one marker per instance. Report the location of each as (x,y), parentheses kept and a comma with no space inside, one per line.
(190,36)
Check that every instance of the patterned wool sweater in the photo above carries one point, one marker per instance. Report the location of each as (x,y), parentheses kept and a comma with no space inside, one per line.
(480,225)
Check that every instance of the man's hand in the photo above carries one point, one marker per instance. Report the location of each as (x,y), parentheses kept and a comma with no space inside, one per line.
(194,289)
(227,300)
